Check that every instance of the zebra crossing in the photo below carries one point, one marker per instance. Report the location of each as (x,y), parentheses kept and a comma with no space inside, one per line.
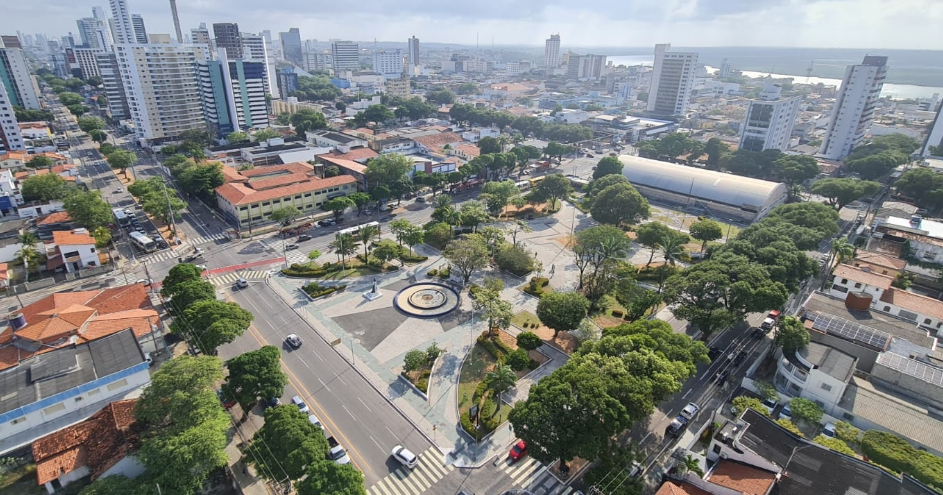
(182,249)
(196,241)
(226,279)
(278,247)
(534,476)
(405,481)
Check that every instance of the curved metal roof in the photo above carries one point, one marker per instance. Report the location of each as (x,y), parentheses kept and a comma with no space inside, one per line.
(714,186)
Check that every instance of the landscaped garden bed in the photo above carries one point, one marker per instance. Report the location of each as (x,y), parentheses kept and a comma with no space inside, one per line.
(529,322)
(316,290)
(417,366)
(537,286)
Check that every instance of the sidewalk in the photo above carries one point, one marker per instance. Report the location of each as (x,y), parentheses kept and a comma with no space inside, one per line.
(435,416)
(244,474)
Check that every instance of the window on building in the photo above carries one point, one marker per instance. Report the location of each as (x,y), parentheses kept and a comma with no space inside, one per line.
(53,409)
(717,449)
(887,309)
(844,280)
(848,417)
(92,393)
(258,218)
(118,384)
(819,403)
(794,389)
(927,321)
(308,195)
(826,387)
(299,196)
(857,285)
(266,203)
(907,315)
(243,208)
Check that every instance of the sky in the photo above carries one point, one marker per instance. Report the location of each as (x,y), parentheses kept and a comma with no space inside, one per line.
(889,24)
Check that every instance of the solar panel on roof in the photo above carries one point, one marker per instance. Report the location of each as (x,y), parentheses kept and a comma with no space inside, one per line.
(849,330)
(912,367)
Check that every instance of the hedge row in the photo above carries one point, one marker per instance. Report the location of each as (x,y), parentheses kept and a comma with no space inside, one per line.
(316,290)
(469,427)
(896,454)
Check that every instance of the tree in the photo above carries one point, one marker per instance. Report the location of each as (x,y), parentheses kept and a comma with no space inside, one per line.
(473,213)
(90,123)
(842,249)
(467,88)
(102,237)
(306,119)
(806,410)
(744,402)
(791,335)
(715,149)
(835,444)
(554,149)
(337,205)
(442,96)
(467,255)
(69,98)
(40,161)
(121,160)
(595,246)
(672,246)
(106,149)
(387,169)
(562,311)
(398,228)
(24,115)
(209,324)
(840,192)
(87,209)
(237,137)
(329,477)
(28,256)
(609,165)
(806,224)
(638,303)
(263,135)
(415,360)
(202,180)
(340,106)
(178,275)
(361,200)
(515,259)
(498,194)
(98,136)
(501,378)
(77,110)
(190,292)
(650,235)
(924,185)
(331,171)
(551,189)
(285,215)
(46,187)
(116,484)
(619,204)
(496,311)
(378,114)
(364,235)
(286,444)
(413,236)
(518,227)
(438,234)
(529,341)
(386,250)
(706,230)
(344,246)
(254,375)
(489,145)
(156,199)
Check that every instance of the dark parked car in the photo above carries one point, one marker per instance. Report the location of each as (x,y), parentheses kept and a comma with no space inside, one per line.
(271,402)
(722,376)
(740,357)
(677,426)
(304,237)
(290,247)
(713,352)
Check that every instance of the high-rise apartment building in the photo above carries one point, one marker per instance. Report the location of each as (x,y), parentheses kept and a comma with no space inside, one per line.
(552,51)
(586,66)
(201,36)
(9,41)
(140,32)
(318,62)
(346,56)
(412,54)
(854,107)
(233,94)
(160,82)
(227,36)
(253,47)
(10,138)
(934,137)
(291,46)
(173,12)
(14,74)
(117,107)
(121,24)
(398,86)
(769,120)
(672,81)
(388,64)
(87,61)
(725,69)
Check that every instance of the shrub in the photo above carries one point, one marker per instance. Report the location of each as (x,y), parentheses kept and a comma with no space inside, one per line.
(806,410)
(515,259)
(469,427)
(491,347)
(835,444)
(314,289)
(423,385)
(433,352)
(481,390)
(529,341)
(536,286)
(405,257)
(432,273)
(415,360)
(504,347)
(790,426)
(487,409)
(743,402)
(425,374)
(896,454)
(518,360)
(438,234)
(392,268)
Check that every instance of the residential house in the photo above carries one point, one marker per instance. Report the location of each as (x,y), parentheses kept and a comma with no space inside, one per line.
(879,263)
(477,133)
(35,130)
(249,197)
(71,251)
(97,447)
(331,139)
(464,151)
(14,160)
(277,151)
(435,143)
(401,145)
(348,167)
(867,289)
(431,164)
(924,236)
(48,388)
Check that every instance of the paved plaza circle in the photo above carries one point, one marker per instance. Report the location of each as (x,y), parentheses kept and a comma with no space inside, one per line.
(426,300)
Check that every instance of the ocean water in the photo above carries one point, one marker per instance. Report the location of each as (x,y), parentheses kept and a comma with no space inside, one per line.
(911,73)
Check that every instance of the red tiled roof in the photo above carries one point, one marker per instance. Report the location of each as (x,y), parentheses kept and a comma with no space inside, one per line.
(879,259)
(15,155)
(435,142)
(351,165)
(742,478)
(72,238)
(670,488)
(239,194)
(922,305)
(294,167)
(858,275)
(278,181)
(468,149)
(99,443)
(57,217)
(4,268)
(356,154)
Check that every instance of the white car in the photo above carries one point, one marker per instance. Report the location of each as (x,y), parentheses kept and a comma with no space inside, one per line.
(242,283)
(405,457)
(294,341)
(296,400)
(770,404)
(829,430)
(690,411)
(785,412)
(315,421)
(339,455)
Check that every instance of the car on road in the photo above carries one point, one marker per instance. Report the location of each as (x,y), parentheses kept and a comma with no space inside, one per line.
(293,340)
(677,426)
(326,223)
(740,357)
(690,411)
(146,281)
(315,421)
(336,452)
(271,402)
(713,352)
(297,400)
(227,402)
(636,470)
(241,283)
(421,199)
(304,237)
(518,451)
(829,430)
(291,247)
(721,376)
(202,268)
(770,404)
(405,457)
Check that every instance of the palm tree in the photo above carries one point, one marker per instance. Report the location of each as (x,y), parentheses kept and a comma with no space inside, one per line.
(27,238)
(30,258)
(364,235)
(344,246)
(441,202)
(671,248)
(842,249)
(500,379)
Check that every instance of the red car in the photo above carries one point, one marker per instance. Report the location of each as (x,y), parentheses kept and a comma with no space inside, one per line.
(517,451)
(227,402)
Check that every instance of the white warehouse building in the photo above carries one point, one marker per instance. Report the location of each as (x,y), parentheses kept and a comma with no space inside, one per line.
(721,194)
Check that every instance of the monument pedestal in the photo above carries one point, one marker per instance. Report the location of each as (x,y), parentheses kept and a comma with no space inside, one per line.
(373,294)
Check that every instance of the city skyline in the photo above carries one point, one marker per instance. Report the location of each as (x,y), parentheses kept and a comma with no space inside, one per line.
(802,23)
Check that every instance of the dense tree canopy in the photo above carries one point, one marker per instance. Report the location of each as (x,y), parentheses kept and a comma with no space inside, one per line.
(286,444)
(316,88)
(840,192)
(923,185)
(46,187)
(88,209)
(306,119)
(208,324)
(562,311)
(387,169)
(881,155)
(609,165)
(619,204)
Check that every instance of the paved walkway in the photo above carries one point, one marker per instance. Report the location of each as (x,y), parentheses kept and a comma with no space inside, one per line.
(378,357)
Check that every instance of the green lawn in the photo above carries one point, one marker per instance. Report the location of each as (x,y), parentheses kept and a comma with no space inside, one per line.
(524,317)
(473,372)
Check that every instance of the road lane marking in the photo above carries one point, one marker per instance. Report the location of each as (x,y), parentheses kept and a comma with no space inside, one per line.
(377,444)
(686,394)
(324,385)
(348,411)
(304,363)
(364,404)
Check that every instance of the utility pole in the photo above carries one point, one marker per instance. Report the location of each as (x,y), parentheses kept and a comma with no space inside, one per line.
(170,210)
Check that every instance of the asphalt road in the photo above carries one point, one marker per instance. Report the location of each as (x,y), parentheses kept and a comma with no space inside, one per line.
(350,409)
